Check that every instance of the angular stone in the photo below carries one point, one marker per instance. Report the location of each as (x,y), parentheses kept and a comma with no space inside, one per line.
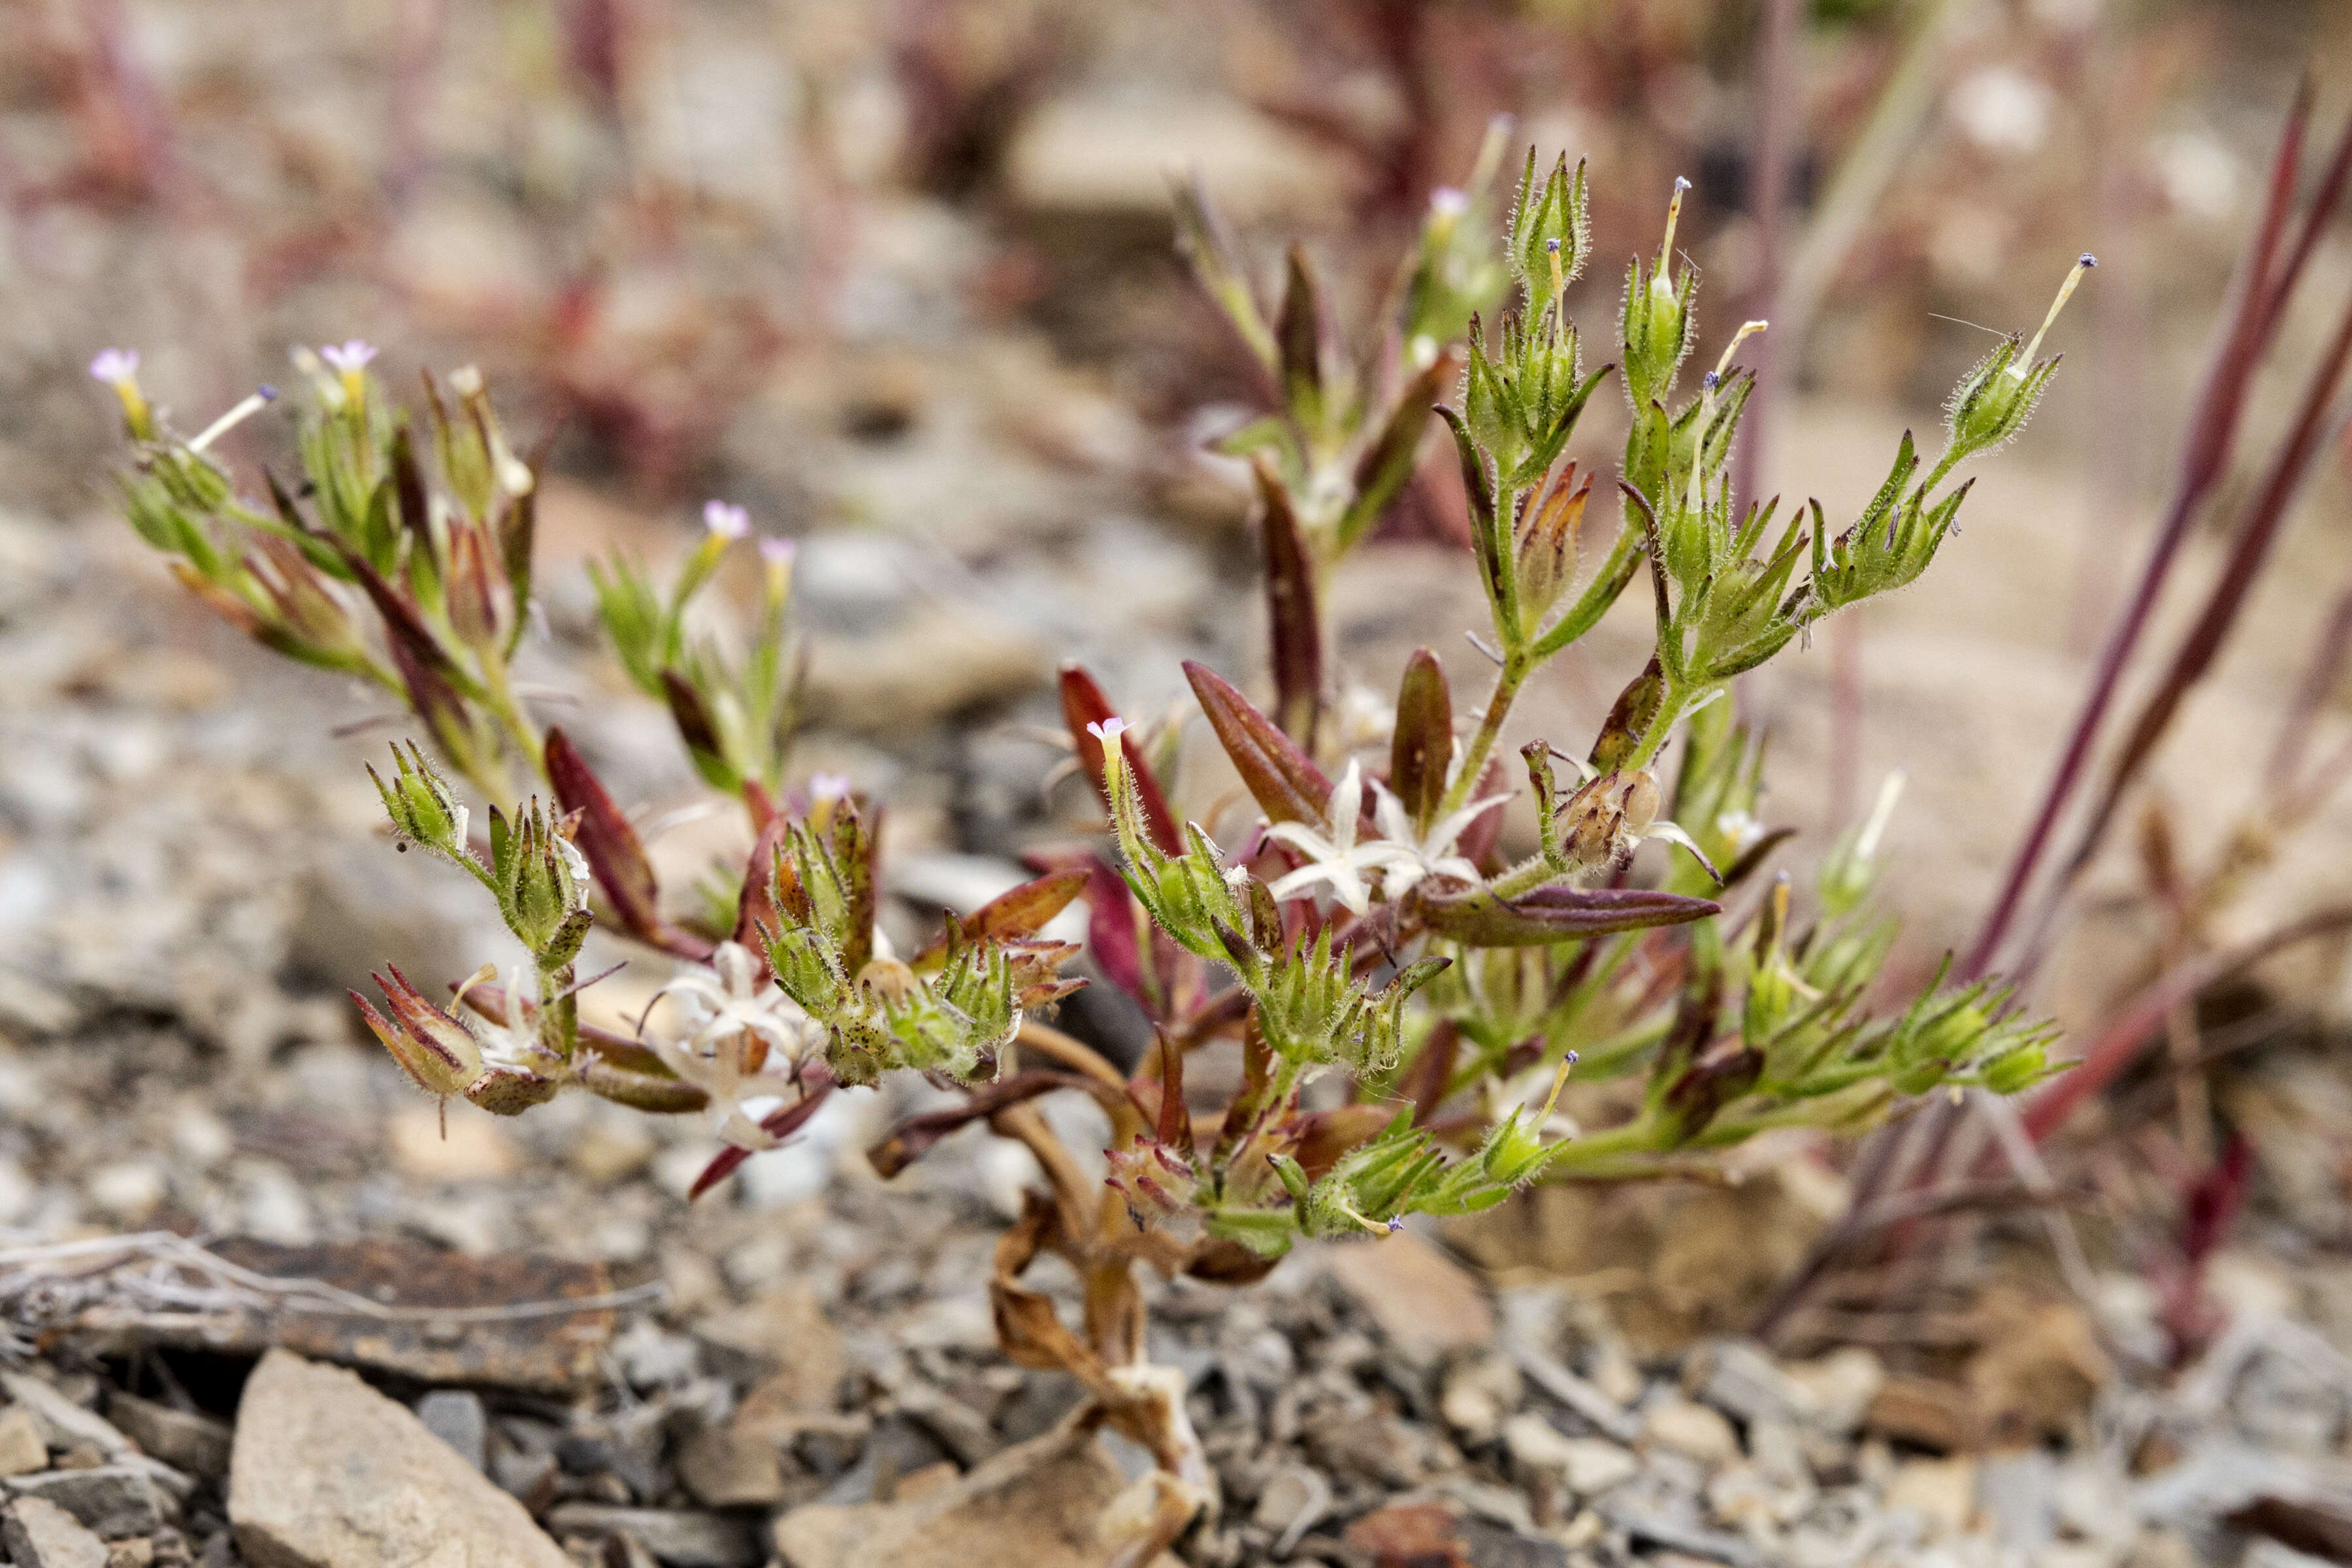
(1425,1303)
(781,1340)
(1690,1429)
(23,1449)
(115,1501)
(64,1424)
(676,1537)
(459,1418)
(557,1353)
(733,1467)
(185,1439)
(1034,1506)
(40,1534)
(1740,1380)
(1941,1491)
(328,1473)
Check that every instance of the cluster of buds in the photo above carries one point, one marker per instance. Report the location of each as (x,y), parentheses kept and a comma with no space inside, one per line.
(736,717)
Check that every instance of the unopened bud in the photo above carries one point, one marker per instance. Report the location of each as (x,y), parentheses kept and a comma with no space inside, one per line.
(1548,229)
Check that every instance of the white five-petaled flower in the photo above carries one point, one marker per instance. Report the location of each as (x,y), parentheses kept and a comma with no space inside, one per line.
(512,1044)
(727,1008)
(350,357)
(725,520)
(1336,861)
(115,366)
(1108,730)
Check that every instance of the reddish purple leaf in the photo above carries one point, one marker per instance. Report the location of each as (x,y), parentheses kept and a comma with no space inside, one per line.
(1285,781)
(1555,914)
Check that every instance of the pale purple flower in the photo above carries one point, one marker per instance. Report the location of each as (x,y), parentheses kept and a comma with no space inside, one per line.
(828,786)
(1448,202)
(725,520)
(350,357)
(115,366)
(777,551)
(1109,731)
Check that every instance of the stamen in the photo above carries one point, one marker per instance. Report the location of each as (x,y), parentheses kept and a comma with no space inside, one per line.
(1674,215)
(1881,811)
(2024,361)
(1747,331)
(252,405)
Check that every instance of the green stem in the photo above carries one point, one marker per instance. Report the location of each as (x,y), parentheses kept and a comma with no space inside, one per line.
(1671,706)
(1639,1136)
(1516,666)
(510,716)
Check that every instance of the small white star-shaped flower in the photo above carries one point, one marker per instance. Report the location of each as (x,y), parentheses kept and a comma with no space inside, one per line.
(726,1007)
(1336,861)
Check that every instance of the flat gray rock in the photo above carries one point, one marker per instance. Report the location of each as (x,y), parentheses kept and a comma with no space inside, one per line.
(40,1534)
(116,1500)
(328,1473)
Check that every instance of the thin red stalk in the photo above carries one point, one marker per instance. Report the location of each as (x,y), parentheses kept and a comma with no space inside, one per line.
(2212,431)
(2257,534)
(2122,1042)
(2319,675)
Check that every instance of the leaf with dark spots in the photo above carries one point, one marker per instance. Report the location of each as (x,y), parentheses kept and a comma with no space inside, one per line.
(1423,747)
(1284,780)
(1556,913)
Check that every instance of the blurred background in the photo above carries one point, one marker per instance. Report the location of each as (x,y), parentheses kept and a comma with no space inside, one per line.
(898,277)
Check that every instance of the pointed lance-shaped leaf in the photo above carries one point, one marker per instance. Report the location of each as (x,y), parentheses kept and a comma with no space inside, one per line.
(1083,703)
(1629,719)
(1389,462)
(408,491)
(1201,240)
(1420,751)
(912,1138)
(781,1122)
(1298,334)
(1285,781)
(1021,912)
(755,907)
(615,857)
(1556,913)
(1297,633)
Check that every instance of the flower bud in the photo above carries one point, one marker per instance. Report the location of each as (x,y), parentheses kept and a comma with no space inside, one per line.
(1548,230)
(1656,328)
(2018,1067)
(423,807)
(1993,401)
(1548,539)
(1153,1182)
(431,1047)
